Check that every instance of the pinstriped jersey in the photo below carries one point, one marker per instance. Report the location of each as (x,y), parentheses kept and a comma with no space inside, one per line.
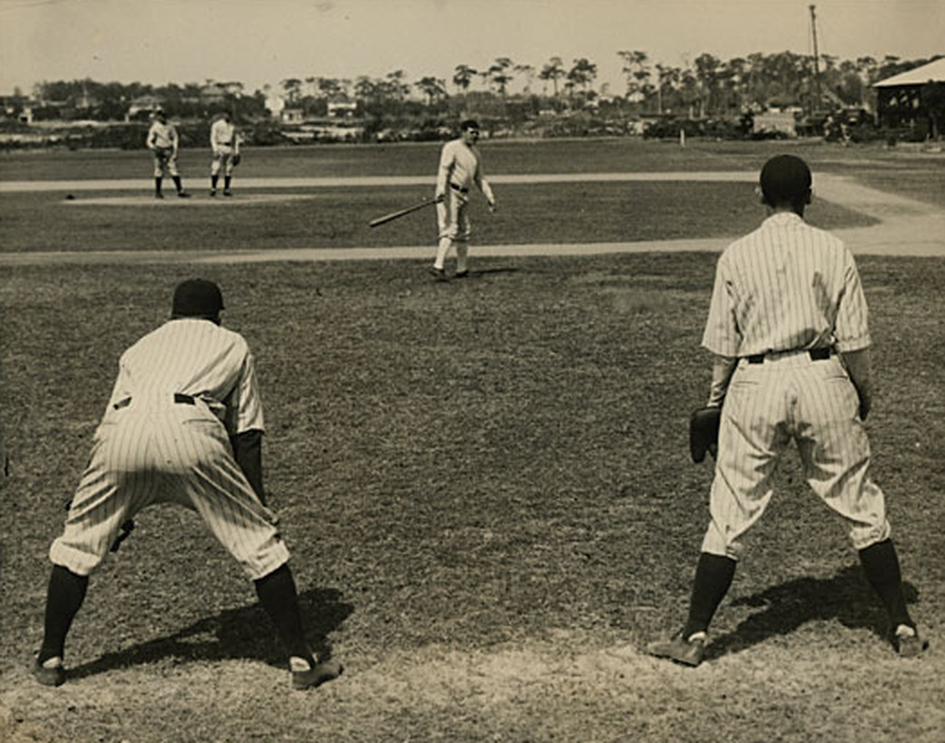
(786,286)
(195,357)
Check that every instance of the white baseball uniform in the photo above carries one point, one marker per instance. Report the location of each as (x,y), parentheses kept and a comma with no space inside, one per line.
(785,297)
(163,142)
(460,169)
(224,142)
(182,391)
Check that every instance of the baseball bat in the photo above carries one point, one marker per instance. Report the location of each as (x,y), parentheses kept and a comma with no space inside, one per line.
(401,212)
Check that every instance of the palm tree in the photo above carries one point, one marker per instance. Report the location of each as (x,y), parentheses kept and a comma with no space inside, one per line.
(582,73)
(529,72)
(554,71)
(462,76)
(431,87)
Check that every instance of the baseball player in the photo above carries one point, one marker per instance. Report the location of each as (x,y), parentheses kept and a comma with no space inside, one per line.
(460,169)
(164,143)
(184,424)
(788,326)
(225,144)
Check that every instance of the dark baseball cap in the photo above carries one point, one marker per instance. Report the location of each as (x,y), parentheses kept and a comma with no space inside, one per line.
(785,179)
(197,298)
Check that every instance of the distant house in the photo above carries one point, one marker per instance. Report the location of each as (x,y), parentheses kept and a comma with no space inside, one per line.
(904,99)
(216,93)
(776,121)
(342,107)
(145,104)
(292,116)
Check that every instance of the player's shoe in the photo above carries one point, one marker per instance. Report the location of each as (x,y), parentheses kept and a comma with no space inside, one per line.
(314,676)
(50,672)
(159,195)
(907,642)
(227,192)
(689,651)
(183,195)
(437,273)
(213,192)
(461,274)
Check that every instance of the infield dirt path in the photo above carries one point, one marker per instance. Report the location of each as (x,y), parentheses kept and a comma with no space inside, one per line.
(907,227)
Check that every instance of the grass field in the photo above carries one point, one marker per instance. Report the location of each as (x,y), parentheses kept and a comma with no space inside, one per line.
(487,492)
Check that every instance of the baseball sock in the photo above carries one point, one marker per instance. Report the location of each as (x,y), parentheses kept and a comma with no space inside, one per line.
(177,183)
(714,574)
(157,185)
(226,182)
(64,598)
(462,250)
(214,179)
(441,252)
(278,595)
(881,565)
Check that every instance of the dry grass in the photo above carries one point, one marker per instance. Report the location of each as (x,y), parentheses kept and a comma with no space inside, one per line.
(486,489)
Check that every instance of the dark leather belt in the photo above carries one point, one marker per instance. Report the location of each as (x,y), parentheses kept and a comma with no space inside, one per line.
(459,188)
(816,354)
(179,397)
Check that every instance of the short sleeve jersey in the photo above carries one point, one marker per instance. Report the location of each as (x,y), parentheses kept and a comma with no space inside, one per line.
(222,134)
(162,135)
(462,165)
(786,286)
(199,358)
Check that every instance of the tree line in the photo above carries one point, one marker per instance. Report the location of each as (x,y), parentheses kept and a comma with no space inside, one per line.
(706,87)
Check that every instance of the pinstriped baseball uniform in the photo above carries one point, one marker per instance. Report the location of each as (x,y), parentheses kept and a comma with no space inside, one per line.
(182,391)
(780,292)
(163,142)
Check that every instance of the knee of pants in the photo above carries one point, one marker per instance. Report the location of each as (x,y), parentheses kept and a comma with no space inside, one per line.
(716,542)
(863,536)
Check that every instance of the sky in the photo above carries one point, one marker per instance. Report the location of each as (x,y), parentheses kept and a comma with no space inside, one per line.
(266,41)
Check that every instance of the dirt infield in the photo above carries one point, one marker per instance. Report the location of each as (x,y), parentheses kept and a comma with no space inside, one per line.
(907,227)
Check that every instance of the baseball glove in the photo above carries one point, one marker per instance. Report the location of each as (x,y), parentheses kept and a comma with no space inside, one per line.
(704,432)
(237,159)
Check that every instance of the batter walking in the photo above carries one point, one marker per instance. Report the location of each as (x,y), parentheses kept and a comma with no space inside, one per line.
(788,327)
(184,424)
(164,144)
(225,145)
(460,169)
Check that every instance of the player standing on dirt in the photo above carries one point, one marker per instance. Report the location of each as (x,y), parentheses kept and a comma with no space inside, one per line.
(225,145)
(164,143)
(460,169)
(788,326)
(184,424)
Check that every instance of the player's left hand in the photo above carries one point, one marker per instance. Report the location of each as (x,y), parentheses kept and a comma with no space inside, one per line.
(492,207)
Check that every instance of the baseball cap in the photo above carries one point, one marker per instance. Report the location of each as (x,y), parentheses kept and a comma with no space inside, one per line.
(785,179)
(469,124)
(197,298)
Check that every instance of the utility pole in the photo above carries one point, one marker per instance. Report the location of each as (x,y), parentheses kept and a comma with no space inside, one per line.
(813,29)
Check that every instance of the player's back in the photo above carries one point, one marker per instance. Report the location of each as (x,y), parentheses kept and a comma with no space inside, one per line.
(787,280)
(188,355)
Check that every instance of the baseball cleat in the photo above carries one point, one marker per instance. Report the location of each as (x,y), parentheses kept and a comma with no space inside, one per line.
(687,651)
(213,192)
(227,192)
(437,273)
(316,675)
(159,196)
(50,672)
(907,642)
(183,195)
(462,274)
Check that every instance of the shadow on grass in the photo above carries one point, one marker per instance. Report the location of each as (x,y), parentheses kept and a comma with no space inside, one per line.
(245,633)
(846,598)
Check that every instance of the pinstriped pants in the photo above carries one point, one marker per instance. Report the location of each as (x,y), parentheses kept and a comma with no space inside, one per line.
(143,455)
(814,403)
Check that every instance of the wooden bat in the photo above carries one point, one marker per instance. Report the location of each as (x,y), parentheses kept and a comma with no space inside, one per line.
(395,215)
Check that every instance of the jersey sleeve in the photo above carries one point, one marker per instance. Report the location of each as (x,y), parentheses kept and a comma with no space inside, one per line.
(244,407)
(721,335)
(852,326)
(482,183)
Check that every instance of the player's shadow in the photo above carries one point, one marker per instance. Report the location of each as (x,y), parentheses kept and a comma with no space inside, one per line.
(234,634)
(478,272)
(846,598)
